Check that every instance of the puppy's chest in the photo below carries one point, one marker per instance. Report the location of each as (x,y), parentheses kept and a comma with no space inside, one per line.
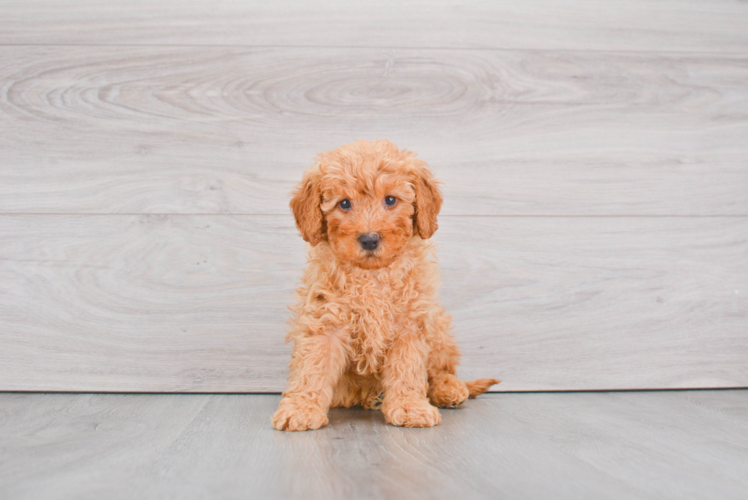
(376,304)
(377,312)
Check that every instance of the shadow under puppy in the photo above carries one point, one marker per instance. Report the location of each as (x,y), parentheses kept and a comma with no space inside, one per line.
(367,329)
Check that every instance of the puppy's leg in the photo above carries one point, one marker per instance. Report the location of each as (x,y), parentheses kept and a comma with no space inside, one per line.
(445,389)
(317,363)
(405,382)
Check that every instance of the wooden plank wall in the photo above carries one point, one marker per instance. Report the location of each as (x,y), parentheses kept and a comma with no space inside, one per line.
(595,159)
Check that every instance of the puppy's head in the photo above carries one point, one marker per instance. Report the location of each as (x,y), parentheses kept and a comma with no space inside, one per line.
(367,199)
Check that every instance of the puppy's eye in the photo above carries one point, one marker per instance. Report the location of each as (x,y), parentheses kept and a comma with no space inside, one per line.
(345,204)
(390,201)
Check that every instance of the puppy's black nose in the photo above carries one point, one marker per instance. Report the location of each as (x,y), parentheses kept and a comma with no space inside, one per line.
(369,241)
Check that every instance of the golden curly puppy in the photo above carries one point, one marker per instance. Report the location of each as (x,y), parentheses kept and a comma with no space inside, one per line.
(367,328)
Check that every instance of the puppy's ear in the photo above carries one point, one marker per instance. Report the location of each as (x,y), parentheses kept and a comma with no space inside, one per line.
(428,201)
(305,205)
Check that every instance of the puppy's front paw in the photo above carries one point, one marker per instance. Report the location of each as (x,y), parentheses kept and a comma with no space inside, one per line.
(295,414)
(411,412)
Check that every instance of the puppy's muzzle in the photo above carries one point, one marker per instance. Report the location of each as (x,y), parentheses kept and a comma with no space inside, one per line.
(369,241)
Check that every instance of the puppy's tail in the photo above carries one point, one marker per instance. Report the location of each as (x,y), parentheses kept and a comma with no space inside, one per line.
(477,387)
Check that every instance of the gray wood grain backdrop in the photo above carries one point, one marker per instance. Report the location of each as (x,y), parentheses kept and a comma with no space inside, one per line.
(594,155)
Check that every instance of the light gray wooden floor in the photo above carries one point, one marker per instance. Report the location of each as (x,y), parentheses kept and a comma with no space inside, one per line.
(659,445)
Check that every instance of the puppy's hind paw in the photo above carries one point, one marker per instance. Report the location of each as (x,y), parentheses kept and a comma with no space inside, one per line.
(447,391)
(374,402)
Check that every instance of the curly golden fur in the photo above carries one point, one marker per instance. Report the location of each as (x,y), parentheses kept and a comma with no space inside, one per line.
(367,328)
